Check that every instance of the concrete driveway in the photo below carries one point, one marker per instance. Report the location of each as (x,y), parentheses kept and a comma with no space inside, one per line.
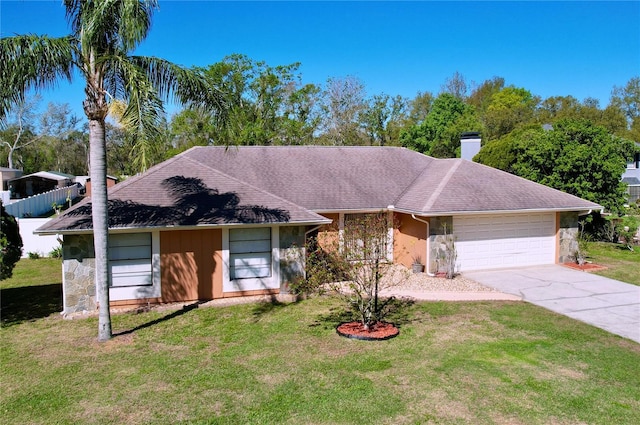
(606,303)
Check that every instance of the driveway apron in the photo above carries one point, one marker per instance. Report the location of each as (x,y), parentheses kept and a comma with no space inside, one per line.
(605,303)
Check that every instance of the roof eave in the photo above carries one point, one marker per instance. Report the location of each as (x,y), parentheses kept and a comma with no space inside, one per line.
(580,209)
(132,229)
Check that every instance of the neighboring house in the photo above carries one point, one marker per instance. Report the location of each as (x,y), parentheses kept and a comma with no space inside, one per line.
(218,222)
(40,182)
(7,174)
(631,177)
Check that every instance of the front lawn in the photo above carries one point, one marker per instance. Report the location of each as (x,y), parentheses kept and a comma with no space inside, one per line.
(623,264)
(453,363)
(34,291)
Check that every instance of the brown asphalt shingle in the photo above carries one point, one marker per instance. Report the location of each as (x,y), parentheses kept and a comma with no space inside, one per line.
(182,192)
(323,178)
(286,184)
(320,178)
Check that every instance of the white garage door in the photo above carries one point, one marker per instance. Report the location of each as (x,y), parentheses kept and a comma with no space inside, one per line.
(508,240)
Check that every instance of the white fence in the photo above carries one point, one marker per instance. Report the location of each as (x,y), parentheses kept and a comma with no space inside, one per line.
(42,245)
(39,204)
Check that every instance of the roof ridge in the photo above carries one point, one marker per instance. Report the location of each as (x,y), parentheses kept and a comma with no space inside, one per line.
(250,185)
(296,147)
(436,193)
(418,176)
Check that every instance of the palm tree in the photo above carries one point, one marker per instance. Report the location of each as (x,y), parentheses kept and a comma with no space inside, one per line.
(104,33)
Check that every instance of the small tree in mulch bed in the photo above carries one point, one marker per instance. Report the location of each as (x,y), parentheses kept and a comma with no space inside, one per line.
(360,261)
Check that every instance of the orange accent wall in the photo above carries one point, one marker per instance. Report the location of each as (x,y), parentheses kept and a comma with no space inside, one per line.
(191,265)
(409,239)
(328,236)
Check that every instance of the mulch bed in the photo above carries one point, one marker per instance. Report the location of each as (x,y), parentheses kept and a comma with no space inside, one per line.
(586,267)
(380,331)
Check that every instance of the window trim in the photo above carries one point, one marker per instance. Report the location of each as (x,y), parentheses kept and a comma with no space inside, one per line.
(250,254)
(248,284)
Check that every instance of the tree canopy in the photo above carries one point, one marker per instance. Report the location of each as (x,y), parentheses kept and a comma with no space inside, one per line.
(439,133)
(271,104)
(576,156)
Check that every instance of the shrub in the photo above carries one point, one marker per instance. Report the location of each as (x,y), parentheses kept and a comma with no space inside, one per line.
(33,255)
(627,228)
(10,243)
(56,252)
(322,268)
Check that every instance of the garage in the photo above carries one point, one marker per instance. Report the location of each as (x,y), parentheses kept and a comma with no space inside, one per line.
(505,240)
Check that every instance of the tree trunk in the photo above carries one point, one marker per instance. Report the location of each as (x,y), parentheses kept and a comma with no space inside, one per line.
(100,218)
(10,156)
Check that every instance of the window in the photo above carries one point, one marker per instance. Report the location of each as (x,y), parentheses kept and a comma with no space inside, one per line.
(130,259)
(250,253)
(366,236)
(634,193)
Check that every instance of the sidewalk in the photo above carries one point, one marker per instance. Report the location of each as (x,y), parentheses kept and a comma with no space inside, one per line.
(425,295)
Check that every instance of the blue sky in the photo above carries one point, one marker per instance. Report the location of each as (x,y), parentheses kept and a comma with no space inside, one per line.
(573,48)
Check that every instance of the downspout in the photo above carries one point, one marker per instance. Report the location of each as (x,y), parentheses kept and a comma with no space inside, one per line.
(427,262)
(306,234)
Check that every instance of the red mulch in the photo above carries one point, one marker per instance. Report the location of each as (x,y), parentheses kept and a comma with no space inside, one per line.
(377,332)
(586,267)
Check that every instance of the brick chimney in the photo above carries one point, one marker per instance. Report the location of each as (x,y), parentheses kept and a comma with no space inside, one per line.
(469,145)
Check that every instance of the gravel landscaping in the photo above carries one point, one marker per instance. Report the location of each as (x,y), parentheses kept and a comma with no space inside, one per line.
(404,279)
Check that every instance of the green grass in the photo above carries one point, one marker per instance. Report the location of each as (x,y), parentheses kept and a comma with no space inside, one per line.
(453,363)
(34,291)
(623,264)
(28,272)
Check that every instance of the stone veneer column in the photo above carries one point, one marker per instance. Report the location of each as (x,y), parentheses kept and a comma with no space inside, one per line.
(78,267)
(292,255)
(568,237)
(438,241)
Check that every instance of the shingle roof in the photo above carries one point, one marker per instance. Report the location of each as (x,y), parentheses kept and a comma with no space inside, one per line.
(455,186)
(323,178)
(630,181)
(184,192)
(288,184)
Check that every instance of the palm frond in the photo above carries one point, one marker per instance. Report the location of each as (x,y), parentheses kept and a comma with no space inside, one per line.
(33,61)
(108,24)
(182,85)
(143,114)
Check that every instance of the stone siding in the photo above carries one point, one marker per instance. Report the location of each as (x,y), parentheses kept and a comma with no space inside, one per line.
(292,255)
(568,237)
(438,242)
(78,267)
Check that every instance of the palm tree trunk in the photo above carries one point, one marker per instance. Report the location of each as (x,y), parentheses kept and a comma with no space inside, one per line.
(100,218)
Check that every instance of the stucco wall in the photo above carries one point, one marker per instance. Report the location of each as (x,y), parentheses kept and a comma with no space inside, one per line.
(328,235)
(42,245)
(78,271)
(409,240)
